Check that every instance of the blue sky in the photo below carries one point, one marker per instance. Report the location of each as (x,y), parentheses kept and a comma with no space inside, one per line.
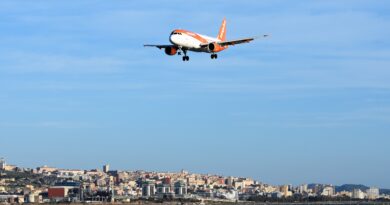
(309,104)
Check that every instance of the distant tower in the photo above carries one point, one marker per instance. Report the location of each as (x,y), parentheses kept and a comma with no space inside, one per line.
(2,164)
(106,168)
(230,181)
(81,193)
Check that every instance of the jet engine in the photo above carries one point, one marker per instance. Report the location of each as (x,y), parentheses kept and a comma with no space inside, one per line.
(212,47)
(170,51)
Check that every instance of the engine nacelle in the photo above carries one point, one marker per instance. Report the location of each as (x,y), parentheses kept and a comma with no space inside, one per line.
(212,47)
(170,51)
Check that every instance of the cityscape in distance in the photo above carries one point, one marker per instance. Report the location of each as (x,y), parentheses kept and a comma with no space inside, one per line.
(46,184)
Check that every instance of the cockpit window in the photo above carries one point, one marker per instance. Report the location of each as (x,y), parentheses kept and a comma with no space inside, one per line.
(175,33)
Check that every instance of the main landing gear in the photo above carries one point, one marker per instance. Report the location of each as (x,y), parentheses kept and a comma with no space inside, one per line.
(185,57)
(214,56)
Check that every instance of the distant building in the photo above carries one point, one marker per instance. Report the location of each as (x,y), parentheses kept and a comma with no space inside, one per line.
(248,182)
(317,189)
(106,168)
(57,193)
(372,193)
(220,182)
(275,195)
(163,188)
(46,170)
(148,189)
(230,181)
(357,194)
(33,198)
(232,195)
(328,191)
(63,190)
(11,198)
(302,189)
(167,180)
(285,190)
(180,188)
(2,164)
(345,194)
(239,184)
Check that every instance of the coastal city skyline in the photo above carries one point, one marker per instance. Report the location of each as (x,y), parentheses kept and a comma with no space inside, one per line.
(46,184)
(107,167)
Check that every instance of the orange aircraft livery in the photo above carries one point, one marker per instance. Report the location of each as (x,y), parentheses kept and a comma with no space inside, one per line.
(183,41)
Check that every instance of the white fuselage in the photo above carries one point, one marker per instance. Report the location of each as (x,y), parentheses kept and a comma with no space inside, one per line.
(191,41)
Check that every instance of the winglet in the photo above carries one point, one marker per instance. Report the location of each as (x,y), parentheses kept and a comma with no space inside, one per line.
(222,31)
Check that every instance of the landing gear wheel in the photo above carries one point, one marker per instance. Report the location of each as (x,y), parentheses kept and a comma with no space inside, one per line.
(185,57)
(214,56)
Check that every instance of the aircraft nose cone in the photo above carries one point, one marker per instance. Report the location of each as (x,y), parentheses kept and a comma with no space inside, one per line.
(173,39)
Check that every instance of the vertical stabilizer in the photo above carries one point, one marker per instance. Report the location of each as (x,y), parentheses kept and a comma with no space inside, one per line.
(222,31)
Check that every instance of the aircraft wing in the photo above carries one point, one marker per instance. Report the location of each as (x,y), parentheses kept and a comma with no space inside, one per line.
(237,41)
(158,46)
(234,42)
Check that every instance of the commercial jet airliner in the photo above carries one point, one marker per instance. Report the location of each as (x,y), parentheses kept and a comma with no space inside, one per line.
(183,41)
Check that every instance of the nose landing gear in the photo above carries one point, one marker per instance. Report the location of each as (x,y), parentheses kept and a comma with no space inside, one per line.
(214,56)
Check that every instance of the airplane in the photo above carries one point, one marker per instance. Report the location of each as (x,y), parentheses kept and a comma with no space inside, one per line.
(184,40)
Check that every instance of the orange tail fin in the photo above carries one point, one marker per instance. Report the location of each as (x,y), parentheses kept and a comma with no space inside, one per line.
(222,31)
